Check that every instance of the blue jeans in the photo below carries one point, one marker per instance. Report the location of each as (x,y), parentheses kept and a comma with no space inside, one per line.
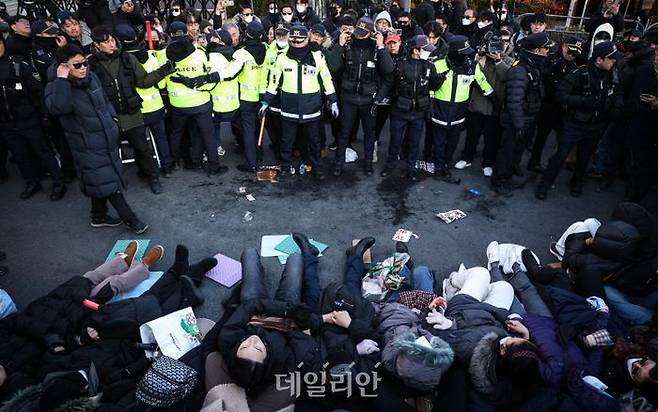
(414,129)
(636,310)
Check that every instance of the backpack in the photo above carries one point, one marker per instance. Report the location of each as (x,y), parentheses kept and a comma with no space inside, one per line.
(167,382)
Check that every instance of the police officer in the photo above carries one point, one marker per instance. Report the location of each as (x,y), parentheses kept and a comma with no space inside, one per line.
(364,61)
(410,86)
(456,73)
(121,74)
(21,113)
(190,99)
(153,105)
(564,61)
(226,94)
(590,96)
(47,39)
(252,80)
(278,47)
(524,93)
(298,77)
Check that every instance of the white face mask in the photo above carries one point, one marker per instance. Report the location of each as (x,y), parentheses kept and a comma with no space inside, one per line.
(424,54)
(175,13)
(482,24)
(281,43)
(249,19)
(466,22)
(287,18)
(503,15)
(301,8)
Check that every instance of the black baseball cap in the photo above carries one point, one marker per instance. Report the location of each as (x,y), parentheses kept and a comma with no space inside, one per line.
(298,33)
(574,44)
(460,45)
(319,29)
(536,41)
(282,28)
(177,28)
(606,49)
(43,26)
(420,41)
(364,26)
(64,15)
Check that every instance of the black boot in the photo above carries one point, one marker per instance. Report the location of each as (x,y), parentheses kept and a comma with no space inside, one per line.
(338,169)
(305,245)
(530,263)
(541,192)
(401,247)
(199,269)
(191,294)
(30,190)
(57,192)
(360,248)
(367,168)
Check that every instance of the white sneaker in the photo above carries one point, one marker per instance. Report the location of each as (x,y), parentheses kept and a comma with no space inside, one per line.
(221,151)
(374,153)
(462,164)
(488,171)
(493,253)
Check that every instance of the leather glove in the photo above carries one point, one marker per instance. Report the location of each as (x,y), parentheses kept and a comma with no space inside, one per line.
(188,82)
(166,69)
(366,347)
(263,109)
(334,110)
(438,320)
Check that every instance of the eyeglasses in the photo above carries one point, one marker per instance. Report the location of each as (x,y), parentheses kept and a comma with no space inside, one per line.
(176,9)
(247,14)
(467,17)
(80,65)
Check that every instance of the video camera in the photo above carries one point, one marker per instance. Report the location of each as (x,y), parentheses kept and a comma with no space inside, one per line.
(493,43)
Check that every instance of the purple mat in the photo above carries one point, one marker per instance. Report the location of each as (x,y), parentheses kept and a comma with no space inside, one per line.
(228,271)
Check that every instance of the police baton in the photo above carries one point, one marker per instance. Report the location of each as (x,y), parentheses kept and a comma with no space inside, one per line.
(149,34)
(262,130)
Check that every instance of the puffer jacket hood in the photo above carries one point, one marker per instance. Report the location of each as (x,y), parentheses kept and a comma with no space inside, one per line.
(616,240)
(417,365)
(483,365)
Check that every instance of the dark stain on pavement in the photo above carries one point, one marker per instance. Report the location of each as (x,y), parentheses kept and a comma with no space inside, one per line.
(394,191)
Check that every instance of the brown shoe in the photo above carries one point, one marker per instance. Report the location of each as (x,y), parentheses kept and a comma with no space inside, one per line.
(130,252)
(152,256)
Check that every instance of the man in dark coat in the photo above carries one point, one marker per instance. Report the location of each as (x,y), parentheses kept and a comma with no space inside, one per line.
(89,121)
(424,13)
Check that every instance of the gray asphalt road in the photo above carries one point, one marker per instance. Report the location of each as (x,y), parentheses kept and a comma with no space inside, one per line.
(48,242)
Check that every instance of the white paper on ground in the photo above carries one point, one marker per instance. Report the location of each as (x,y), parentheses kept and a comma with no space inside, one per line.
(268,243)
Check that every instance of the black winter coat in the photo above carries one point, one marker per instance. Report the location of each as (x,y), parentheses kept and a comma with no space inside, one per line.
(524,92)
(19,356)
(21,93)
(86,116)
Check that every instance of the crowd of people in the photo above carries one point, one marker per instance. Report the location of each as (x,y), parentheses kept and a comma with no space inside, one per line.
(515,334)
(77,85)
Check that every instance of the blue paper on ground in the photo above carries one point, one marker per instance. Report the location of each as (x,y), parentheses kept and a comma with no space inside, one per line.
(141,287)
(288,246)
(121,245)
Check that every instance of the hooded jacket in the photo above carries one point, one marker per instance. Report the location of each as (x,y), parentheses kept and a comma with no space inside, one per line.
(86,116)
(496,75)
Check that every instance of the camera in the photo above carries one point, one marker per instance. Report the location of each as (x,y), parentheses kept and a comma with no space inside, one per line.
(495,45)
(342,305)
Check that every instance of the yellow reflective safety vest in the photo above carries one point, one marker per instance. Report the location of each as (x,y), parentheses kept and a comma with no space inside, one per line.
(298,86)
(273,52)
(451,99)
(252,78)
(226,94)
(151,98)
(180,96)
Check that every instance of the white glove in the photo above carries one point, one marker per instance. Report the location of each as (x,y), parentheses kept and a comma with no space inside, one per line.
(366,347)
(334,110)
(438,320)
(597,304)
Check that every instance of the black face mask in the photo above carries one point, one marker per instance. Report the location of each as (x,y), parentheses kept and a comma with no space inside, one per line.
(315,47)
(142,55)
(361,43)
(48,43)
(159,45)
(299,52)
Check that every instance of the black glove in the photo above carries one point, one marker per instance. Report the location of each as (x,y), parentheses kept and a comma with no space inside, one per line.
(191,83)
(166,69)
(213,77)
(304,317)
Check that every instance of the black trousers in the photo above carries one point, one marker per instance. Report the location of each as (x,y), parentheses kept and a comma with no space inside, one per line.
(585,137)
(56,133)
(249,124)
(383,113)
(144,156)
(349,120)
(643,168)
(446,140)
(3,154)
(549,119)
(478,124)
(274,131)
(29,144)
(203,120)
(99,208)
(510,150)
(309,131)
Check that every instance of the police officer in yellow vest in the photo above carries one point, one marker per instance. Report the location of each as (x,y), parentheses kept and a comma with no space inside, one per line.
(456,73)
(298,78)
(274,50)
(153,107)
(225,94)
(189,96)
(252,81)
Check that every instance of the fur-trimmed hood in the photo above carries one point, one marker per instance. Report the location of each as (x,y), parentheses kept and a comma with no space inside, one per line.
(483,365)
(439,354)
(77,405)
(26,399)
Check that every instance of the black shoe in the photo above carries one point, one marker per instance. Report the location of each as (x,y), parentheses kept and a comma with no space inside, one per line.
(245,168)
(318,175)
(541,192)
(57,193)
(155,186)
(338,170)
(530,263)
(138,227)
(106,221)
(387,171)
(192,166)
(401,247)
(360,248)
(30,190)
(191,293)
(367,168)
(412,176)
(166,171)
(217,170)
(305,245)
(333,146)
